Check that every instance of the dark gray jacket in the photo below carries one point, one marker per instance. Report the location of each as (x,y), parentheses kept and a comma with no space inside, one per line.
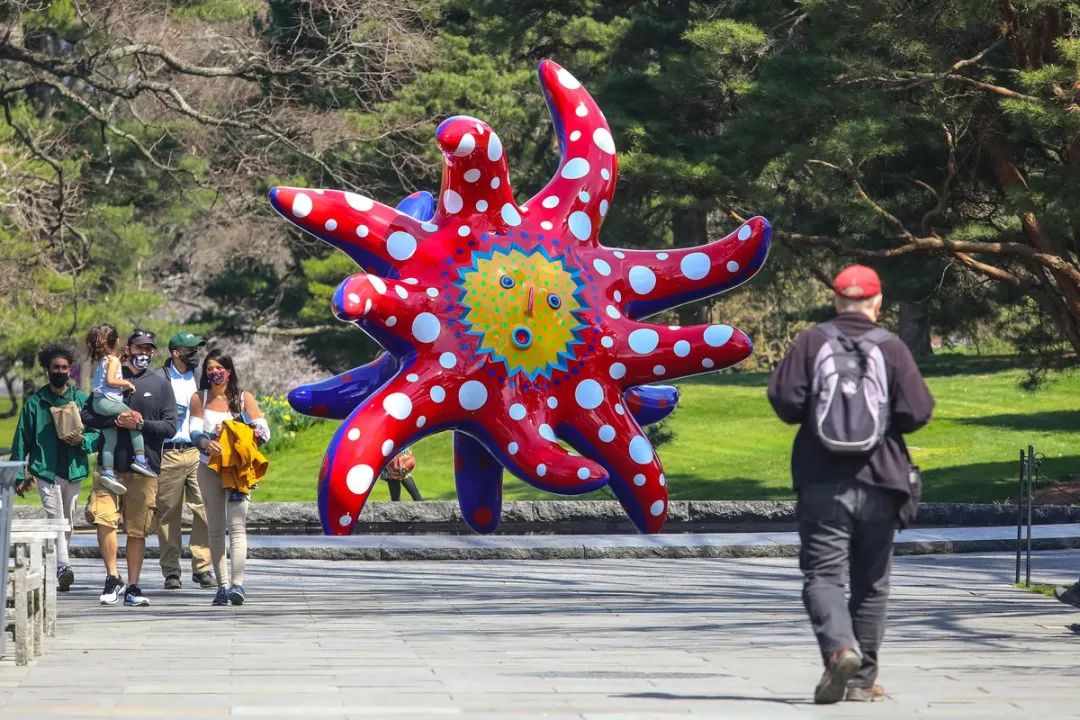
(910,399)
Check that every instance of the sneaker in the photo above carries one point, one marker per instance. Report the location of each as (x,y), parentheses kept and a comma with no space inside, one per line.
(221,597)
(237,496)
(1069,595)
(142,468)
(65,576)
(833,684)
(109,481)
(203,579)
(863,693)
(236,595)
(114,588)
(172,582)
(134,597)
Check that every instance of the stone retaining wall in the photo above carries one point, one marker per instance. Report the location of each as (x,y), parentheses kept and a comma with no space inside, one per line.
(602,517)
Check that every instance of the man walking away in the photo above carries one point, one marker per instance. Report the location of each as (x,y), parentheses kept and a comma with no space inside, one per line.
(180,473)
(854,389)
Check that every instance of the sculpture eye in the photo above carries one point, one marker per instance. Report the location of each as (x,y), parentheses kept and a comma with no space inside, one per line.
(506,281)
(554,301)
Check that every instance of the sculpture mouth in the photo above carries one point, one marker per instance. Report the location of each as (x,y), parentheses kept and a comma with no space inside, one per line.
(521,337)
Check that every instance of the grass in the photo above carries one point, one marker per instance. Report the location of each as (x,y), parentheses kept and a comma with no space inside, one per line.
(1047,590)
(729,445)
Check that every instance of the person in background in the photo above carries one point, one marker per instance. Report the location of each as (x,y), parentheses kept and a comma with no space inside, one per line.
(180,473)
(398,473)
(58,466)
(850,486)
(153,412)
(218,400)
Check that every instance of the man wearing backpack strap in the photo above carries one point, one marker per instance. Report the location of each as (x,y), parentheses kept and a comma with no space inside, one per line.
(854,390)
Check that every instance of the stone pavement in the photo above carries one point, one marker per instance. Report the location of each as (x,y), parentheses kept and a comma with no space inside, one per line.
(586,639)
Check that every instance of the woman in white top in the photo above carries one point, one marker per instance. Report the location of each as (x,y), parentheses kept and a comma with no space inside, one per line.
(220,399)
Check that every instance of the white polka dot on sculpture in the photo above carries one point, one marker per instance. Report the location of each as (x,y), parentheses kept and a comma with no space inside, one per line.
(567,80)
(330,224)
(639,479)
(642,279)
(657,508)
(359,479)
(353,434)
(681,348)
(387,447)
(617,371)
(552,402)
(612,312)
(472,395)
(583,473)
(397,406)
(550,201)
(426,327)
(362,231)
(607,342)
(641,451)
(448,360)
(606,433)
(717,335)
(359,202)
(732,266)
(517,411)
(344,520)
(695,266)
(541,470)
(400,245)
(495,149)
(452,202)
(301,205)
(377,283)
(601,267)
(510,215)
(512,448)
(437,394)
(580,225)
(588,394)
(644,341)
(546,432)
(471,175)
(744,232)
(575,169)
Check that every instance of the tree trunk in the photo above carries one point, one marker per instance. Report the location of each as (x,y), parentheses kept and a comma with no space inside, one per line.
(915,328)
(688,228)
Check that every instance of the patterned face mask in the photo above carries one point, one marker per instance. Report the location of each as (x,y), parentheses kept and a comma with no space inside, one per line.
(217,377)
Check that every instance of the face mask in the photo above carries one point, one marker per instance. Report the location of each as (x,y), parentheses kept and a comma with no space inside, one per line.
(191,359)
(140,362)
(58,380)
(217,377)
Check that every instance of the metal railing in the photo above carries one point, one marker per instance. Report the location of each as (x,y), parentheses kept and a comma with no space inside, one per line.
(8,470)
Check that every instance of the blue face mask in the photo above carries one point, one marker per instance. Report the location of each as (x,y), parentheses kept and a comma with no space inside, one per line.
(140,362)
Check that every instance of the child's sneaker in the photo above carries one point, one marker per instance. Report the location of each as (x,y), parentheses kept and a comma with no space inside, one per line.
(237,496)
(109,481)
(142,468)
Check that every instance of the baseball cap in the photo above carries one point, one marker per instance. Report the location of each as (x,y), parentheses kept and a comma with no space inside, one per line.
(141,337)
(857,282)
(184,339)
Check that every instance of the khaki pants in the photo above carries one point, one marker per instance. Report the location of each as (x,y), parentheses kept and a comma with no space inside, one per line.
(137,507)
(222,515)
(179,476)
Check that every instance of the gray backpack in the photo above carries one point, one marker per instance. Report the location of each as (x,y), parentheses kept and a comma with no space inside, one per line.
(850,391)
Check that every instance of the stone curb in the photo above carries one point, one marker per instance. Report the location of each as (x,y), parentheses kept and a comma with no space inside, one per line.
(600,517)
(592,547)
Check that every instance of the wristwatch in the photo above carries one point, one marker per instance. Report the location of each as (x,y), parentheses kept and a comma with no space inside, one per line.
(139,425)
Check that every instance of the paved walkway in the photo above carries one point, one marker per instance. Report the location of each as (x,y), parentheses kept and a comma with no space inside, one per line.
(593,639)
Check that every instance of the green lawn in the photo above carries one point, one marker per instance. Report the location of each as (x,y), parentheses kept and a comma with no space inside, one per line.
(729,445)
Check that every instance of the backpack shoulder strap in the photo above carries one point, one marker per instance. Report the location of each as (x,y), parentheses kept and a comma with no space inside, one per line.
(830,330)
(876,336)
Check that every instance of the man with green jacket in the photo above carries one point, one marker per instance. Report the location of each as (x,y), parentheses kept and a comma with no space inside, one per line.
(55,465)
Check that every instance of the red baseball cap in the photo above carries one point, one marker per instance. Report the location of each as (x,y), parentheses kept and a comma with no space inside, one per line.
(857,282)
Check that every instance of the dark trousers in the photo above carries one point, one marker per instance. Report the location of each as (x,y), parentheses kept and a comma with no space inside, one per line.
(394,486)
(846,530)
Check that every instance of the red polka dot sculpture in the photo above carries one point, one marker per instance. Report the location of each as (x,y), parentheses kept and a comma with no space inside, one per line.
(513,326)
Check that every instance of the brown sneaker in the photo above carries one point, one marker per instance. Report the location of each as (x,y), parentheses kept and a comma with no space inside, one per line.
(861,693)
(833,684)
